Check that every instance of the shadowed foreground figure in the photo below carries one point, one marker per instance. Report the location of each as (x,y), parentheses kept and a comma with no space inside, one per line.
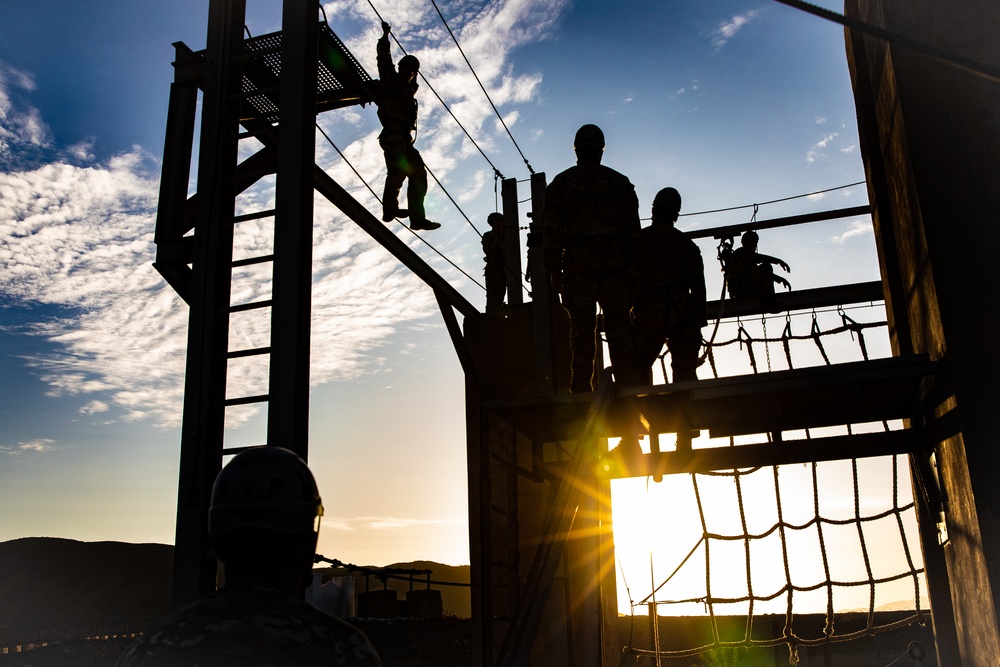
(671,304)
(264,521)
(397,111)
(591,228)
(493,256)
(748,273)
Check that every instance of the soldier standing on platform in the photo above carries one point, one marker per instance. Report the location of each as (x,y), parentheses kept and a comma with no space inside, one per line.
(671,304)
(591,229)
(493,255)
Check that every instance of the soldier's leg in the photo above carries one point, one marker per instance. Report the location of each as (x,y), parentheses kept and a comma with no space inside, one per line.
(650,333)
(396,169)
(581,304)
(617,296)
(496,287)
(684,344)
(416,189)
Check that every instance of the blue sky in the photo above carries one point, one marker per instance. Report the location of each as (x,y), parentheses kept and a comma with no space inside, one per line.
(730,101)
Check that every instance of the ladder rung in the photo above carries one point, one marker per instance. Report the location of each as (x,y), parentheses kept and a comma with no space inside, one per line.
(246,400)
(249,352)
(252,260)
(266,213)
(250,306)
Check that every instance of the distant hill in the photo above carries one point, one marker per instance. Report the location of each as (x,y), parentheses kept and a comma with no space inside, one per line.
(52,587)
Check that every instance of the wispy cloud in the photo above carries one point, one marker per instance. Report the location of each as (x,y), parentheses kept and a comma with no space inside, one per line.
(383,523)
(23,133)
(854,228)
(38,446)
(727,30)
(818,150)
(77,235)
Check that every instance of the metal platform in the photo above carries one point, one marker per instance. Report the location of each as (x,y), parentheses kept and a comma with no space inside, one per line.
(776,402)
(341,81)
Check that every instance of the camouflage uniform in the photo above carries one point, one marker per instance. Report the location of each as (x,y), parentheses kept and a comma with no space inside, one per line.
(671,303)
(591,226)
(397,111)
(249,625)
(496,281)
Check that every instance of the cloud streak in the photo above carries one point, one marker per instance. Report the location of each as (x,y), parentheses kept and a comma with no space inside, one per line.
(727,30)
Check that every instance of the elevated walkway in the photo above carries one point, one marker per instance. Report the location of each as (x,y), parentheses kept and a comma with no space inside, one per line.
(341,81)
(836,395)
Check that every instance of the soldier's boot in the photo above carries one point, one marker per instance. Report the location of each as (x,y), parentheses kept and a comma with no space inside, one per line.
(424,224)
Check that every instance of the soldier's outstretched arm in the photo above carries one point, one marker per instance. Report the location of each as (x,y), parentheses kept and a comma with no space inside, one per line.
(784,283)
(775,260)
(383,57)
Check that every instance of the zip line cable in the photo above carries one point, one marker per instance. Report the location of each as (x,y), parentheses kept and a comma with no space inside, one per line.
(496,172)
(422,239)
(423,78)
(490,100)
(452,200)
(961,62)
(773,201)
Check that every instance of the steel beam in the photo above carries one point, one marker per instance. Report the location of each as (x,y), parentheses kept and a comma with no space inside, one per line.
(288,407)
(731,231)
(208,330)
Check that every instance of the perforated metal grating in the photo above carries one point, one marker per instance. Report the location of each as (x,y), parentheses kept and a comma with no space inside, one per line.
(340,78)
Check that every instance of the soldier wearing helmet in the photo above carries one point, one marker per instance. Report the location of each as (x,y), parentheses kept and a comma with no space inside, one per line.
(749,274)
(264,522)
(397,111)
(590,232)
(495,266)
(671,305)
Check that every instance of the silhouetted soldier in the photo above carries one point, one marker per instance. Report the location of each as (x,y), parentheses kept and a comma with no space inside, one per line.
(397,111)
(671,304)
(748,273)
(493,255)
(264,521)
(591,227)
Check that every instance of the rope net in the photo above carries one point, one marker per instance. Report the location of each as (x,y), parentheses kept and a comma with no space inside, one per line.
(753,552)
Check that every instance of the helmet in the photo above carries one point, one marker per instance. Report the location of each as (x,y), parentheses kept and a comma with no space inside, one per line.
(589,136)
(749,237)
(494,219)
(409,63)
(268,488)
(667,198)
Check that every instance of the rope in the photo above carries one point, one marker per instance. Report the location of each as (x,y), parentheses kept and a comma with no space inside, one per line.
(489,99)
(773,201)
(784,529)
(497,176)
(423,78)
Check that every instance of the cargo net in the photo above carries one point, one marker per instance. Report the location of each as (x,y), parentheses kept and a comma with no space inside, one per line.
(795,555)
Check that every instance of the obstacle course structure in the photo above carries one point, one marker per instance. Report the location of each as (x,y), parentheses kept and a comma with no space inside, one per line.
(540,526)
